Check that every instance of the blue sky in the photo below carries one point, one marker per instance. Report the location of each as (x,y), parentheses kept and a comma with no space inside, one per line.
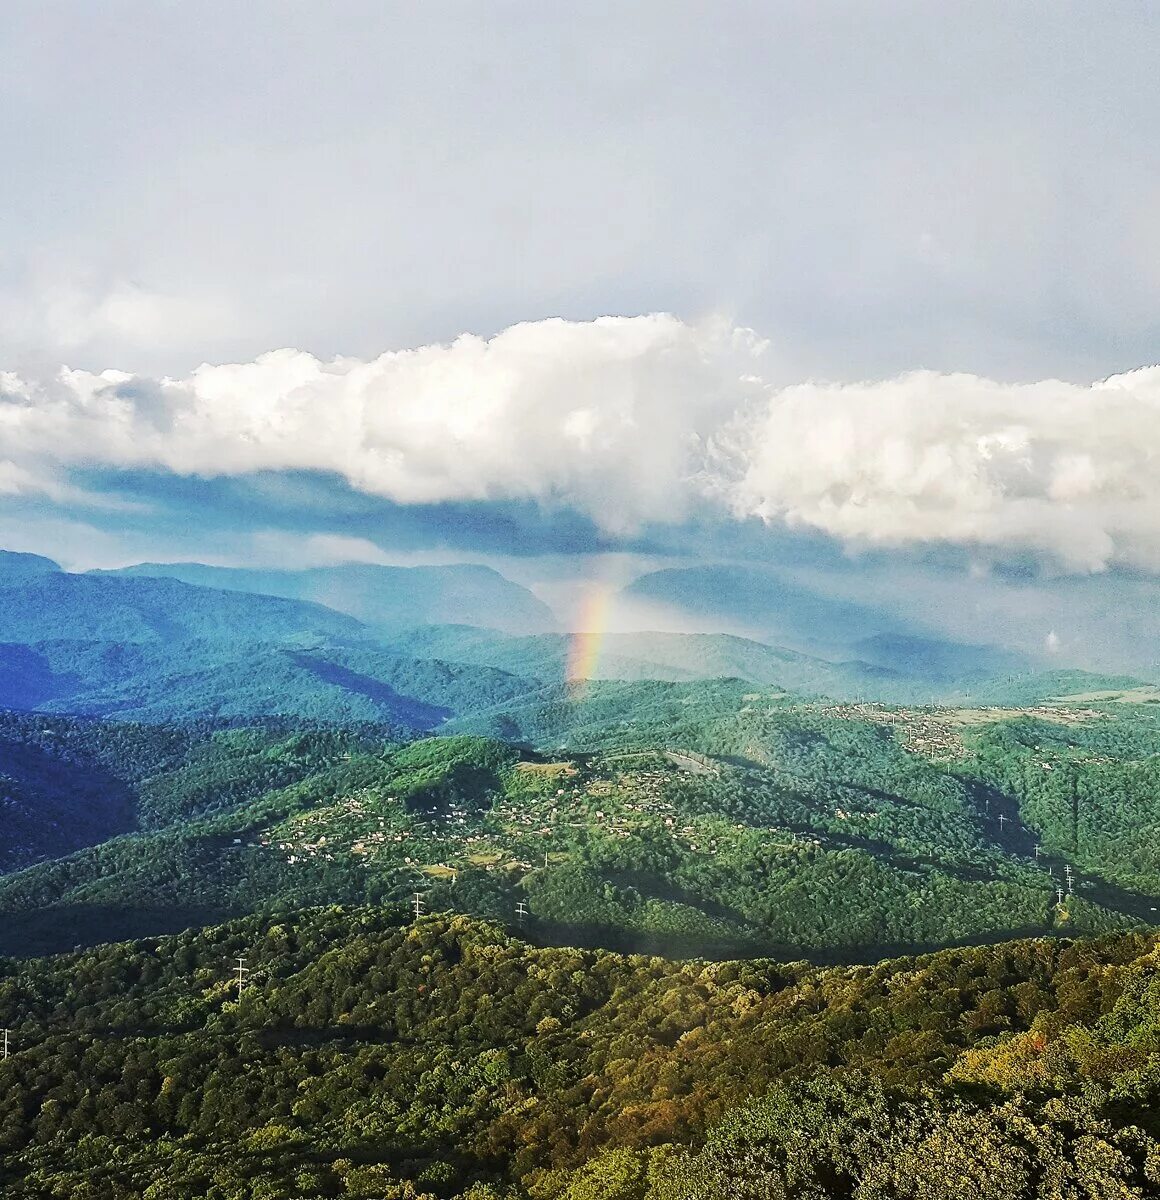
(897,243)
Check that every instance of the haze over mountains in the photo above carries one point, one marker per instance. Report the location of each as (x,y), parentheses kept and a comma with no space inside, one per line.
(384,598)
(418,646)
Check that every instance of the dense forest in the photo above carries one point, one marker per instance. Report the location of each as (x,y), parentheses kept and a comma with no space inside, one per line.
(710,823)
(334,918)
(366,1054)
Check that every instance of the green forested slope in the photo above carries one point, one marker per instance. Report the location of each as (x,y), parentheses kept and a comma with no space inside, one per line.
(125,610)
(807,831)
(492,1050)
(370,1058)
(67,783)
(674,657)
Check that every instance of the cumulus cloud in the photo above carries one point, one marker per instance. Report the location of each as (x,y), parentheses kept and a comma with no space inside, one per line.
(609,417)
(639,420)
(1054,467)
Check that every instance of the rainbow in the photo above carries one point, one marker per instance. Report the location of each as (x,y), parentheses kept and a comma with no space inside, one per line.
(587,642)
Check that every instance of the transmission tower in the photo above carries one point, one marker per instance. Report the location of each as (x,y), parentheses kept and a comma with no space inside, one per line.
(241,972)
(522,913)
(417,904)
(4,1052)
(1059,897)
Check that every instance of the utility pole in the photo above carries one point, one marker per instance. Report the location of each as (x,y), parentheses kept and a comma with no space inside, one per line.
(1068,876)
(4,1055)
(242,971)
(1059,897)
(417,904)
(1002,822)
(522,913)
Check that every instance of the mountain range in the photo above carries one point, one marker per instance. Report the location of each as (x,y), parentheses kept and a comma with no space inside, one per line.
(140,644)
(382,598)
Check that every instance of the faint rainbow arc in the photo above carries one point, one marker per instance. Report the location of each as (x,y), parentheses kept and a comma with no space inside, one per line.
(588,639)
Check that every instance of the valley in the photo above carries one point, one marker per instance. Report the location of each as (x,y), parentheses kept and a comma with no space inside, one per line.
(579,601)
(295,906)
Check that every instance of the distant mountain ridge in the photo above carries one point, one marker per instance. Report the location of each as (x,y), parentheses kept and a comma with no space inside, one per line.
(158,650)
(140,645)
(15,565)
(382,598)
(46,605)
(670,657)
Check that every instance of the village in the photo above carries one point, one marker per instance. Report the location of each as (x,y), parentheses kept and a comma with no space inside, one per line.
(542,810)
(936,732)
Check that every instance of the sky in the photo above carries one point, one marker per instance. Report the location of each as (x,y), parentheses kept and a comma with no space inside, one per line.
(395,282)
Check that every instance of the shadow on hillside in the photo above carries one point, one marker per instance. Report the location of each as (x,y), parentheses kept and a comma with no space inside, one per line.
(404,708)
(58,929)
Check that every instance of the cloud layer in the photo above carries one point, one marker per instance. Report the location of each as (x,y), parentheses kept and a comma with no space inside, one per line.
(636,421)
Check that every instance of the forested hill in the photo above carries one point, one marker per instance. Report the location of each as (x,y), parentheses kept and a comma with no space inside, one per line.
(328,682)
(67,783)
(159,650)
(46,605)
(665,656)
(711,821)
(368,1056)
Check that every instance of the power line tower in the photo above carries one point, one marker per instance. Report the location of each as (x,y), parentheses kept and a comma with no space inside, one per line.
(4,1052)
(417,904)
(522,913)
(241,973)
(1059,897)
(1068,876)
(1002,822)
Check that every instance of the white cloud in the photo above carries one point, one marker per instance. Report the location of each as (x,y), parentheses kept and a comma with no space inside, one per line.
(1054,467)
(607,416)
(39,480)
(638,420)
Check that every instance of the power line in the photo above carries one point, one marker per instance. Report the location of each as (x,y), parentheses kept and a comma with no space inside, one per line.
(241,972)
